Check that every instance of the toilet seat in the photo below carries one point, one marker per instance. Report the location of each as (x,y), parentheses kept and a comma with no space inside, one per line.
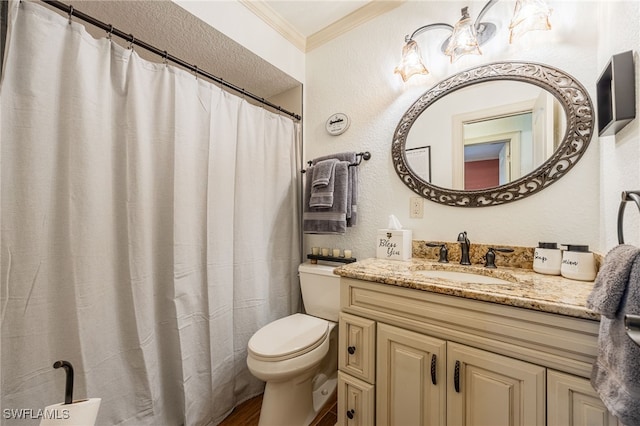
(288,337)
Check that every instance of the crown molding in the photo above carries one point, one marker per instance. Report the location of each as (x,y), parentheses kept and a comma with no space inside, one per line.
(356,18)
(263,11)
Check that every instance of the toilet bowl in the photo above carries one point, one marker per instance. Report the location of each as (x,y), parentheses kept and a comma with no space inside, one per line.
(297,355)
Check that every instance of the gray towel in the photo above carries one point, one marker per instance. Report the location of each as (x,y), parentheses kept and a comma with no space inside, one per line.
(616,372)
(352,190)
(611,282)
(323,172)
(323,183)
(353,198)
(331,220)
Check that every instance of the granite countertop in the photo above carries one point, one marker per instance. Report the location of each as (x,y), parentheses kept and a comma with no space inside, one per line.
(525,288)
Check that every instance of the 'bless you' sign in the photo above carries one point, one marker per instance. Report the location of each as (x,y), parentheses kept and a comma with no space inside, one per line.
(393,244)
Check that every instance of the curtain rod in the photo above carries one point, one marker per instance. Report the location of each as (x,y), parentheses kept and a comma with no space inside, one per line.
(162,53)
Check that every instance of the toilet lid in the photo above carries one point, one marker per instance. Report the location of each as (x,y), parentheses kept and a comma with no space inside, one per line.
(289,336)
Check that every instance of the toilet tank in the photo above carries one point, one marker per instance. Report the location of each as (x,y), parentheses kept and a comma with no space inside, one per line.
(320,290)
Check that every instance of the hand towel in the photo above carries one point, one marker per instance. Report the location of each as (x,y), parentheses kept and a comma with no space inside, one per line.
(352,189)
(611,282)
(323,172)
(323,183)
(331,220)
(616,373)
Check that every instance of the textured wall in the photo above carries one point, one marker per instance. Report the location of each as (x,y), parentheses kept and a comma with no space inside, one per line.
(620,154)
(237,22)
(168,26)
(354,74)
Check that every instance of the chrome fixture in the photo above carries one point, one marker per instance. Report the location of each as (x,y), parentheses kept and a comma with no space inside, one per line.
(464,248)
(467,36)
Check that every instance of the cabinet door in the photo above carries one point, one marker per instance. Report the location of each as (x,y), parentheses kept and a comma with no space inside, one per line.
(356,354)
(355,401)
(410,378)
(484,388)
(571,401)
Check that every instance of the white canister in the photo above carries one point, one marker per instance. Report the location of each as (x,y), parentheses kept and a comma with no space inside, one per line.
(578,263)
(547,259)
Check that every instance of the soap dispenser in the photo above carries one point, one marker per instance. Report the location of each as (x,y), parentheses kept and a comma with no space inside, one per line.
(547,259)
(578,263)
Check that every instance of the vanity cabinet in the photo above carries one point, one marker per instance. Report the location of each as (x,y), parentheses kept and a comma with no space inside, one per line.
(356,376)
(357,336)
(489,389)
(423,380)
(572,401)
(410,378)
(446,360)
(356,401)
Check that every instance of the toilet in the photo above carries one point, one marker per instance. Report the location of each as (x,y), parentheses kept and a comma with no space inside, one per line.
(297,356)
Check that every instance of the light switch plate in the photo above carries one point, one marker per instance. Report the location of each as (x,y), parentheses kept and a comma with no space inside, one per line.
(416,207)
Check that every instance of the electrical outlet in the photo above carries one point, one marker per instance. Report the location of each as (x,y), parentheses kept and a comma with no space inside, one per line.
(416,207)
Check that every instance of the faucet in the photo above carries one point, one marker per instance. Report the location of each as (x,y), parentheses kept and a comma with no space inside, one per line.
(444,252)
(490,257)
(464,248)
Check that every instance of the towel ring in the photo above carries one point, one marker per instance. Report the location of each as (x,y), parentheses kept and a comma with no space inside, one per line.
(632,325)
(626,196)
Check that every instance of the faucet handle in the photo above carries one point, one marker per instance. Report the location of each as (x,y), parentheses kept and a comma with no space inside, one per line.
(490,257)
(444,252)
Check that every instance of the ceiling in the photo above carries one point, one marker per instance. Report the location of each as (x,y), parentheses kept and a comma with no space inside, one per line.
(309,17)
(308,24)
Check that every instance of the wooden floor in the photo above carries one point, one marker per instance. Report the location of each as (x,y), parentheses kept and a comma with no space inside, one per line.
(248,414)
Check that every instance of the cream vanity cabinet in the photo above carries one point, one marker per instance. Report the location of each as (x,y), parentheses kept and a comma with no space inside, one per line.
(411,357)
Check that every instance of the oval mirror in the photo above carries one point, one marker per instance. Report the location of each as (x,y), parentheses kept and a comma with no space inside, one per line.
(493,134)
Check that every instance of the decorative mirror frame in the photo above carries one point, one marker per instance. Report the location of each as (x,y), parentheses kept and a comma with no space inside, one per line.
(580,122)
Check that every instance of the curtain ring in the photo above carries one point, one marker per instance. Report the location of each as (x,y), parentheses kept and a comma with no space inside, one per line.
(195,71)
(70,14)
(165,59)
(133,39)
(110,32)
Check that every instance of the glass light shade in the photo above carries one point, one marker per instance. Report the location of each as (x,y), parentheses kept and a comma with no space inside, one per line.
(411,63)
(463,41)
(529,15)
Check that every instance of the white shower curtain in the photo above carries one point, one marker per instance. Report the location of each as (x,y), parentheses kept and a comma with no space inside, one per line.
(149,228)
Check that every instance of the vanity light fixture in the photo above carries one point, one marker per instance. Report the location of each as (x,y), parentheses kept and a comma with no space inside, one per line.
(529,15)
(467,36)
(464,39)
(411,63)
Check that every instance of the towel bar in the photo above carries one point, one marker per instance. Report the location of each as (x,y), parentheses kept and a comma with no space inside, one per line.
(626,196)
(366,155)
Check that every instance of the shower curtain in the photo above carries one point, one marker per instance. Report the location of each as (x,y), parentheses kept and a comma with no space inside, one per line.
(149,228)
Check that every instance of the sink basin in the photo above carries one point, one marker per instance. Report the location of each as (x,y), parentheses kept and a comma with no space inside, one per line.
(465,277)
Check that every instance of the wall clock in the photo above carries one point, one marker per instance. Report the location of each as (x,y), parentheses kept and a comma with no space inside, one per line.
(337,124)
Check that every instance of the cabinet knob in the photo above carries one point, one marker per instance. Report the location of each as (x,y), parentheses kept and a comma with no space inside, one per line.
(350,413)
(351,350)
